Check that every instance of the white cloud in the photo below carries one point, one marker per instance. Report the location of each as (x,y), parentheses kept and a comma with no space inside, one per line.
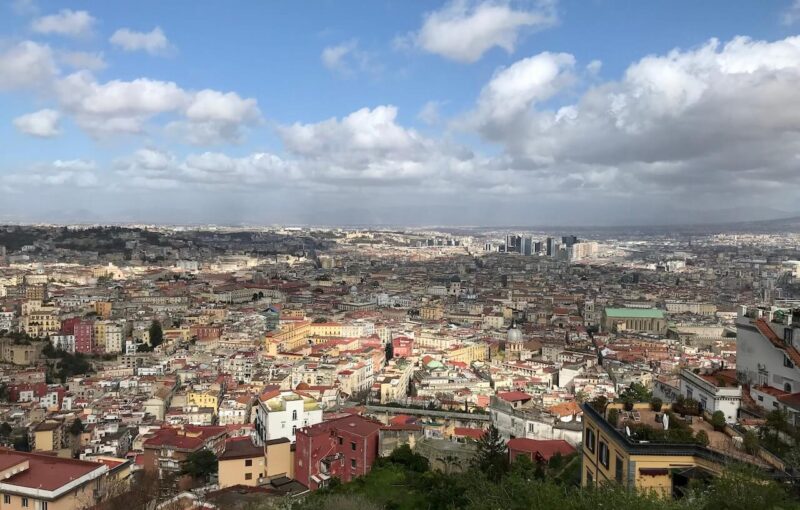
(429,113)
(66,22)
(333,57)
(159,169)
(206,117)
(42,124)
(710,120)
(78,173)
(792,14)
(594,67)
(80,60)
(153,42)
(24,7)
(26,65)
(513,90)
(463,30)
(347,58)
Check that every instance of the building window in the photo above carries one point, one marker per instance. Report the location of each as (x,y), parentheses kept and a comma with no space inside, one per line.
(248,462)
(24,502)
(787,387)
(618,469)
(589,478)
(353,446)
(787,362)
(6,499)
(603,454)
(294,415)
(341,441)
(590,439)
(41,505)
(248,476)
(294,429)
(353,463)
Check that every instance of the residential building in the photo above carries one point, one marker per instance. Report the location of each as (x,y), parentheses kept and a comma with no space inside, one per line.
(281,413)
(344,448)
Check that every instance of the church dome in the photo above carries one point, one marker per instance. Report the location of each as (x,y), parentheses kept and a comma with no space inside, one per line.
(514,334)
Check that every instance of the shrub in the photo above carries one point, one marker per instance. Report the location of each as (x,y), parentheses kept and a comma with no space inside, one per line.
(701,438)
(628,405)
(751,444)
(718,421)
(613,416)
(655,404)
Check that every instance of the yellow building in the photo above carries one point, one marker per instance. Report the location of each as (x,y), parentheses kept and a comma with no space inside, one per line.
(326,329)
(431,313)
(467,353)
(203,399)
(41,323)
(47,436)
(244,463)
(291,336)
(103,309)
(19,354)
(610,455)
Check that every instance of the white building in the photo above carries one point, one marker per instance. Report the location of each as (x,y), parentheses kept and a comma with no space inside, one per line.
(114,338)
(281,413)
(714,392)
(64,342)
(768,352)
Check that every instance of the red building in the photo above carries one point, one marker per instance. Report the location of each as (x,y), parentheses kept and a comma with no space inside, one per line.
(538,450)
(402,347)
(84,337)
(343,448)
(68,325)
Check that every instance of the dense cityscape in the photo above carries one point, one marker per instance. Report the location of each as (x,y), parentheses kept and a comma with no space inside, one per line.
(223,364)
(400,255)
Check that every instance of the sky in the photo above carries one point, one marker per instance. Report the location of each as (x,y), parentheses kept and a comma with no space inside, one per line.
(399,112)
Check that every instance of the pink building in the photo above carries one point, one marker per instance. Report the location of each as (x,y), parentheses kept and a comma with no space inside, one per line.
(84,337)
(343,448)
(402,347)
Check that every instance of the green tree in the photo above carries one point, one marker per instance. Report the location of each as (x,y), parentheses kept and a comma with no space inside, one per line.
(156,334)
(5,429)
(200,464)
(751,443)
(491,457)
(718,420)
(702,438)
(636,392)
(76,427)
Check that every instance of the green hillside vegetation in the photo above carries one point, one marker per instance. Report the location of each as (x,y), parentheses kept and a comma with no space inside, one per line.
(404,481)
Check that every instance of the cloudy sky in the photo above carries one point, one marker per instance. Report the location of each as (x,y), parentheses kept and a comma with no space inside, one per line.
(460,112)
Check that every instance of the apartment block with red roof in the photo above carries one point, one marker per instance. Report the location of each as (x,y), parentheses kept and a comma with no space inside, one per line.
(168,448)
(45,482)
(344,448)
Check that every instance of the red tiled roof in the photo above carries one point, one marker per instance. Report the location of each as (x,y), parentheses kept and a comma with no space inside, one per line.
(513,396)
(188,438)
(468,432)
(765,330)
(542,449)
(47,472)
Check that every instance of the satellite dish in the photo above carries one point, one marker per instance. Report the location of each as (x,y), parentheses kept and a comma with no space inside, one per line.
(665,421)
(628,430)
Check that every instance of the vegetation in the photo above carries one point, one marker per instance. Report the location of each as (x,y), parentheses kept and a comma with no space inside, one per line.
(156,334)
(68,365)
(636,392)
(656,404)
(402,481)
(491,457)
(718,421)
(200,464)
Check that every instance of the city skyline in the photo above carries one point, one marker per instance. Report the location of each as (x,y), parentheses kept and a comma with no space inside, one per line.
(449,113)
